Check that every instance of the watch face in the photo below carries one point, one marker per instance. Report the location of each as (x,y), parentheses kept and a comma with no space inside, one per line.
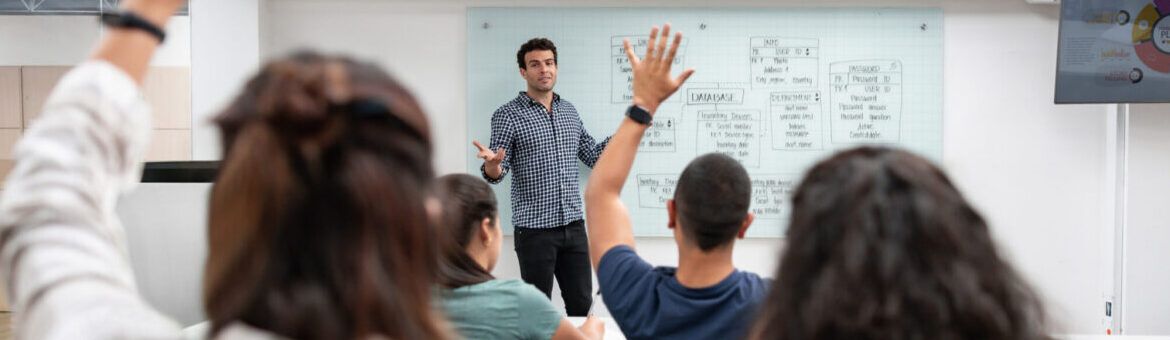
(638,114)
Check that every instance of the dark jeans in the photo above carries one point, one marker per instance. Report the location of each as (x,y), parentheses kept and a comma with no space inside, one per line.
(562,252)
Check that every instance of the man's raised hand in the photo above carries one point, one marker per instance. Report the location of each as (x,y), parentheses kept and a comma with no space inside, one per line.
(652,80)
(489,157)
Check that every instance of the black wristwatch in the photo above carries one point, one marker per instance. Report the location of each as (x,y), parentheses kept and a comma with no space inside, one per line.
(640,115)
(125,19)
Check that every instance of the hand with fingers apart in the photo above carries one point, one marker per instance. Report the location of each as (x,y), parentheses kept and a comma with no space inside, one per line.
(490,159)
(652,80)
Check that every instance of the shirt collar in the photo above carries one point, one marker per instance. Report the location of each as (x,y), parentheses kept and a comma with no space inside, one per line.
(530,101)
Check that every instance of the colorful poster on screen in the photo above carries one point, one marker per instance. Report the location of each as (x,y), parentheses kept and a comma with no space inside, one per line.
(1114,51)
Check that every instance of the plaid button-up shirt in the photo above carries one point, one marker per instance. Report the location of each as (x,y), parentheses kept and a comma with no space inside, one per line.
(542,149)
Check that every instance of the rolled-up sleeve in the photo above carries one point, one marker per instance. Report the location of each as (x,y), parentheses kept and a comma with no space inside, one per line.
(62,252)
(502,130)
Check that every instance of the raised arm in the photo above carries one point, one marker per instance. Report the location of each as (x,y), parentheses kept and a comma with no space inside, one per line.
(608,219)
(131,49)
(62,251)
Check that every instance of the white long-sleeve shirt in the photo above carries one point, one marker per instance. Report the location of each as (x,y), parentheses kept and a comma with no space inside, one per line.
(62,250)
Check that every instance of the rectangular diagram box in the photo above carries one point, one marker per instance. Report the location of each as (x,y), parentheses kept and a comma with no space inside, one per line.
(714,96)
(866,101)
(770,195)
(661,136)
(655,189)
(621,75)
(735,133)
(796,120)
(784,63)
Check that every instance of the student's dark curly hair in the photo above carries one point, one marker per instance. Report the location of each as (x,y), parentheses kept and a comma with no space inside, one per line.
(882,246)
(535,44)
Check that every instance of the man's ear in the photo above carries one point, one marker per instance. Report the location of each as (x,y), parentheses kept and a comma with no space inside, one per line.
(747,222)
(671,214)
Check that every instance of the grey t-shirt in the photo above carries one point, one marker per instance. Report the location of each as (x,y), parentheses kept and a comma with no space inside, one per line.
(500,309)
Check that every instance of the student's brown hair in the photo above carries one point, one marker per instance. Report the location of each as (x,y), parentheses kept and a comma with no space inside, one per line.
(318,223)
(882,246)
(467,200)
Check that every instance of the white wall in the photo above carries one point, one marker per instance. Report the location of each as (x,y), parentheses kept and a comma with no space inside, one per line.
(225,41)
(166,235)
(420,44)
(1147,305)
(45,40)
(1036,170)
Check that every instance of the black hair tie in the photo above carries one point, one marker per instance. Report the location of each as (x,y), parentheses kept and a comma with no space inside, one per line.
(372,110)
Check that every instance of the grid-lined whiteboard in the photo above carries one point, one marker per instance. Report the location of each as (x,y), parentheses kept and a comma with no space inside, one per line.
(777,89)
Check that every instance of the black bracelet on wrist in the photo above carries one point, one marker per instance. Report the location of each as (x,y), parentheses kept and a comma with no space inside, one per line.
(127,19)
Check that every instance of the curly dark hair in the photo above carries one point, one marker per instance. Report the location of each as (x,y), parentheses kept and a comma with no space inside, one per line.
(535,44)
(882,246)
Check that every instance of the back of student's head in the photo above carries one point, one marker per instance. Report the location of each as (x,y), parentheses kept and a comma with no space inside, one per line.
(318,221)
(882,246)
(712,198)
(467,201)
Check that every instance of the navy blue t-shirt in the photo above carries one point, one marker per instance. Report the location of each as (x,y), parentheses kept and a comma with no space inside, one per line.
(648,302)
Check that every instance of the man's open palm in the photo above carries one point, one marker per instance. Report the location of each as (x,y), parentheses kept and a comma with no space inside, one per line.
(492,158)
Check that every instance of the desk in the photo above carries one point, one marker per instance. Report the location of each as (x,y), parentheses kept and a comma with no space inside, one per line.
(611,327)
(1109,337)
(199,331)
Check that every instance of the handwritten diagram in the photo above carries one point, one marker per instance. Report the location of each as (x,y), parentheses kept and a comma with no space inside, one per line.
(775,89)
(778,109)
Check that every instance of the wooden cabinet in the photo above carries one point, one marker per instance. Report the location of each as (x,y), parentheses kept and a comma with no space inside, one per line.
(169,145)
(36,84)
(10,99)
(168,90)
(23,91)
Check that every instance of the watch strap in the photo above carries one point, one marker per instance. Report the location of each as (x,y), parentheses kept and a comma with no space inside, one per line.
(127,19)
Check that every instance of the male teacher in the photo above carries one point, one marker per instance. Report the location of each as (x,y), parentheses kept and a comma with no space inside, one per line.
(538,136)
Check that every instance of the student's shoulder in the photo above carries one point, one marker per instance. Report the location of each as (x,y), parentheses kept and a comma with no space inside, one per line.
(508,284)
(525,295)
(619,253)
(623,262)
(515,287)
(754,282)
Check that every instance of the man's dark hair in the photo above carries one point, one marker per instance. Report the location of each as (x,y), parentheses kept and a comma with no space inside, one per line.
(712,199)
(535,44)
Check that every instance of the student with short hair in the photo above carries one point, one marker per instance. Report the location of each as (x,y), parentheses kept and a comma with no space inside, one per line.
(881,245)
(477,304)
(706,297)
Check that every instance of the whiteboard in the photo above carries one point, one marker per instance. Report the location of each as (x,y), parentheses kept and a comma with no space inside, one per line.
(777,89)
